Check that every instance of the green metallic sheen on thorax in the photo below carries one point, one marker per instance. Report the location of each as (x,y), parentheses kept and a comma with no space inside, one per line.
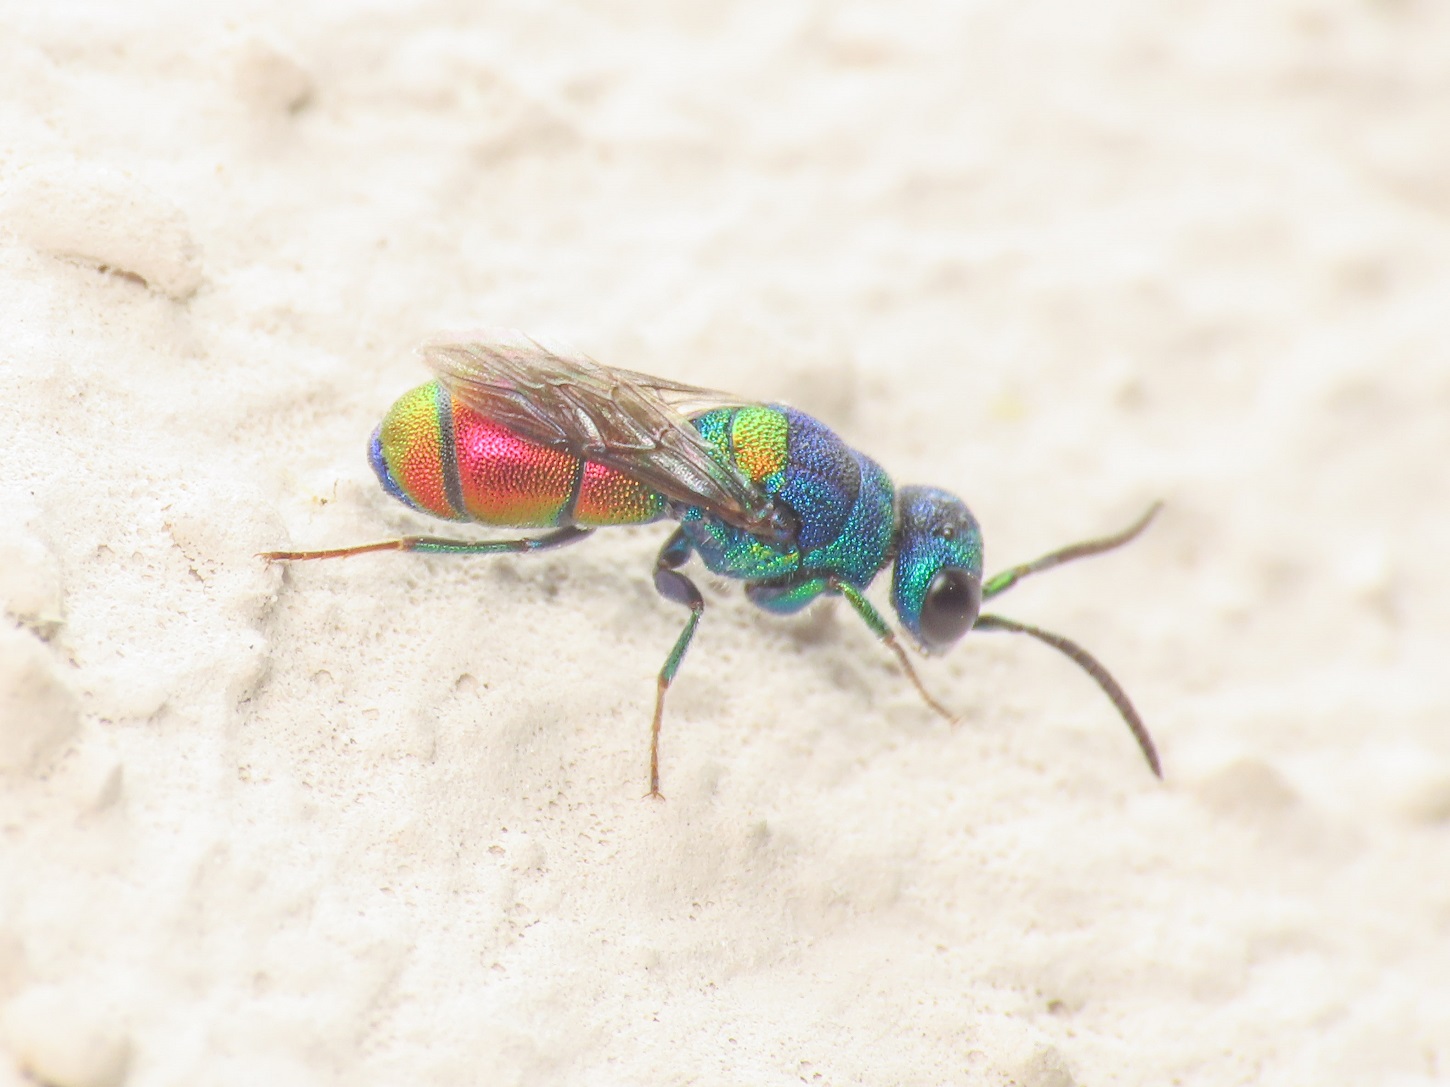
(843,499)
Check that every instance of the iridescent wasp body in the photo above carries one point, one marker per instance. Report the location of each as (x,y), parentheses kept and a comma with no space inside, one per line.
(516,433)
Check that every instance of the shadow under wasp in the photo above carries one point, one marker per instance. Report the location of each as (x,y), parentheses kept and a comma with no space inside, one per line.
(513,432)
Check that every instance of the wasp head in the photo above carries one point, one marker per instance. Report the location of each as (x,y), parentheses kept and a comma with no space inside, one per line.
(936,585)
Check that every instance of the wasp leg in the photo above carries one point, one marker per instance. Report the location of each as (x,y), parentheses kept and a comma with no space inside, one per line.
(678,588)
(434,545)
(785,597)
(879,627)
(1007,578)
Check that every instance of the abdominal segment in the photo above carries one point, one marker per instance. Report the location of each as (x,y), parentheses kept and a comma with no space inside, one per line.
(445,459)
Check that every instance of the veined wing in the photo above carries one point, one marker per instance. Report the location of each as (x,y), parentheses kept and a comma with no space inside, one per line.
(628,421)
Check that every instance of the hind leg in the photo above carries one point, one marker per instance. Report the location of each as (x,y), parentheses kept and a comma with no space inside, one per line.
(434,545)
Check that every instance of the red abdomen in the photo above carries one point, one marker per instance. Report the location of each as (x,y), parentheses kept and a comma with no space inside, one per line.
(441,457)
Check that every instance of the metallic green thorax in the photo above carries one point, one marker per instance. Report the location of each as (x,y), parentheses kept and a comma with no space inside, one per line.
(842,500)
(852,521)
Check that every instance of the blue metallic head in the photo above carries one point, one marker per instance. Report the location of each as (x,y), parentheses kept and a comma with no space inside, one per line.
(936,585)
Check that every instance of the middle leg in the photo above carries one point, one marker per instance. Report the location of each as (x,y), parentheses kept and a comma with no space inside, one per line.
(676,587)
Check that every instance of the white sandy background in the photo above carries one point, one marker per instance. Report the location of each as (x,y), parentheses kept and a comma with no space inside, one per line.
(380,821)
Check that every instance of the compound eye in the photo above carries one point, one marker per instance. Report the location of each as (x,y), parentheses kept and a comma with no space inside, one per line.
(952,601)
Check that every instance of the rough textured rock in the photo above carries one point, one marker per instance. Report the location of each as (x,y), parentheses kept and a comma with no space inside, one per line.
(39,711)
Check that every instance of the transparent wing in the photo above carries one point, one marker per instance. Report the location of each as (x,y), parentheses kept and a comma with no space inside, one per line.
(629,421)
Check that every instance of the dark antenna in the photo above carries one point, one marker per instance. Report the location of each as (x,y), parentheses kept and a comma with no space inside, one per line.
(1084,660)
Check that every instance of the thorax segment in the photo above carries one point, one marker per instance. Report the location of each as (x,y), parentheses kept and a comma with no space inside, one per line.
(841,498)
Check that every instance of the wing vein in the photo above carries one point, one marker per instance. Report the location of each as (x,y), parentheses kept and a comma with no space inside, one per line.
(622,419)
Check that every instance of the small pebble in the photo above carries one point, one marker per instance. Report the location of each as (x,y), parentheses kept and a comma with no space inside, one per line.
(270,81)
(1046,1068)
(30,585)
(91,777)
(1248,788)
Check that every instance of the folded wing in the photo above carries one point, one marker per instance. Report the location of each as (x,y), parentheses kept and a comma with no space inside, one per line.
(632,422)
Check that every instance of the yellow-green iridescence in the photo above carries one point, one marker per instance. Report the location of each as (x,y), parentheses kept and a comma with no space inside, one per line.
(410,441)
(755,441)
(609,497)
(759,439)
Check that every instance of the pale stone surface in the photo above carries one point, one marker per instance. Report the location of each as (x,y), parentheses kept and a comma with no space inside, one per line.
(30,584)
(39,711)
(103,217)
(271,80)
(379,821)
(60,1038)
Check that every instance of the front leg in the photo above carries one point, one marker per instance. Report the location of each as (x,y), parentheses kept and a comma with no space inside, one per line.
(790,595)
(872,618)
